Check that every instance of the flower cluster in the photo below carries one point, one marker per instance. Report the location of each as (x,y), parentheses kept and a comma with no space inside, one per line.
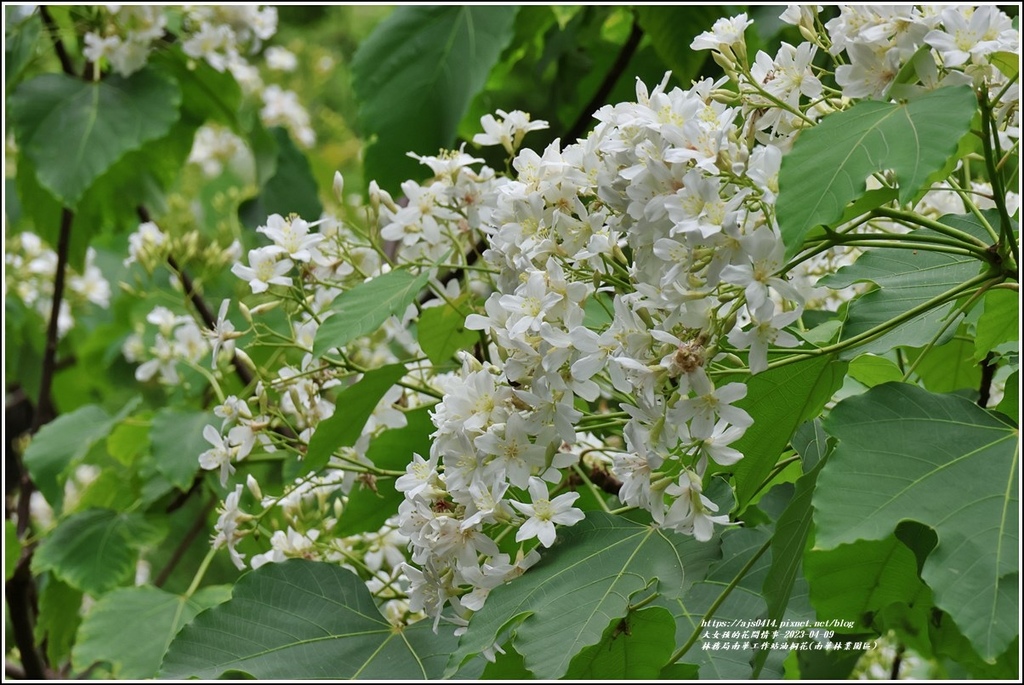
(30,266)
(223,36)
(617,284)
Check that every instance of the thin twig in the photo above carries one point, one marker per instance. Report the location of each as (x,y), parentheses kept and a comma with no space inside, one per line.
(197,301)
(186,542)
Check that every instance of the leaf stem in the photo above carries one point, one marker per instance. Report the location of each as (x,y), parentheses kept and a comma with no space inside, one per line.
(883,328)
(186,542)
(679,653)
(924,222)
(200,573)
(990,143)
(594,490)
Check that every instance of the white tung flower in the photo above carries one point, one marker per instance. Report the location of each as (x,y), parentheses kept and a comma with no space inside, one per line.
(545,513)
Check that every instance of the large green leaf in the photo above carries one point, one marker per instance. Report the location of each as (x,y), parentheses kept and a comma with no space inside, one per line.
(779,400)
(74,130)
(830,163)
(634,647)
(307,620)
(854,582)
(151,616)
(361,310)
(64,440)
(564,604)
(906,454)
(355,405)
(415,77)
(905,279)
(95,550)
(177,439)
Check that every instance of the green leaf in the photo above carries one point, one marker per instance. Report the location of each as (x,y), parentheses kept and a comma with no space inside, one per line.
(74,130)
(1010,404)
(60,613)
(151,616)
(871,370)
(291,188)
(811,442)
(947,641)
(61,442)
(634,647)
(779,400)
(12,548)
(853,582)
(1006,62)
(128,441)
(19,48)
(367,508)
(829,164)
(441,331)
(905,279)
(307,620)
(363,309)
(95,550)
(206,94)
(355,405)
(415,77)
(787,550)
(948,367)
(671,29)
(177,439)
(999,323)
(563,604)
(741,604)
(508,667)
(940,460)
(114,488)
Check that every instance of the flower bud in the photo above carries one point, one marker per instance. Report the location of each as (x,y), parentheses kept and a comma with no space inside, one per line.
(339,187)
(254,487)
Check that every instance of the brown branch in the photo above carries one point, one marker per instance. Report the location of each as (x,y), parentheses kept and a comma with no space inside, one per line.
(58,45)
(186,542)
(988,372)
(20,590)
(610,79)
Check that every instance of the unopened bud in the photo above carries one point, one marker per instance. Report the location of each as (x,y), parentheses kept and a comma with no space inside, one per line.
(246,359)
(263,308)
(246,314)
(254,487)
(339,186)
